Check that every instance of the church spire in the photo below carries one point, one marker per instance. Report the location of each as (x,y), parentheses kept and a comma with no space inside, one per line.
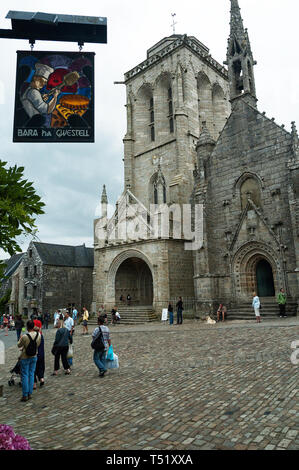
(240,60)
(236,22)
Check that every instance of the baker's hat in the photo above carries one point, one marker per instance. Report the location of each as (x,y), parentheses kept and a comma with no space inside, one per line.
(43,70)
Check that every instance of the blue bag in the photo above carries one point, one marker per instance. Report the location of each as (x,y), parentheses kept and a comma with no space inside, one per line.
(113,364)
(110,354)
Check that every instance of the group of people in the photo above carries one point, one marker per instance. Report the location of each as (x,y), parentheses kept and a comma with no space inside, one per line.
(32,352)
(179,310)
(129,299)
(281,300)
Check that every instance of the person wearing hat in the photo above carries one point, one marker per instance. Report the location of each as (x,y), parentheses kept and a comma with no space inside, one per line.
(32,100)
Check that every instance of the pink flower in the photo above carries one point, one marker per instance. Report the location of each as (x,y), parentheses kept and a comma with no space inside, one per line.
(11,441)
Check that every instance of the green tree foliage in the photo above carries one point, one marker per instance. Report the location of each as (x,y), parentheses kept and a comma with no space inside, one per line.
(19,204)
(5,299)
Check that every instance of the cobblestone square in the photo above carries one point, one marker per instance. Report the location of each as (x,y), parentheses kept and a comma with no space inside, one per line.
(192,386)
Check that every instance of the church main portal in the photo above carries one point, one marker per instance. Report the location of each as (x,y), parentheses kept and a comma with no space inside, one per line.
(135,278)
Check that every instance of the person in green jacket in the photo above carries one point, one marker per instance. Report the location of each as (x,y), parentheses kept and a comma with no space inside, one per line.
(282,299)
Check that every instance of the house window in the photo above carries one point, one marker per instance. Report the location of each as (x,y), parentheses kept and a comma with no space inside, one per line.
(26,273)
(30,253)
(25,292)
(35,270)
(34,292)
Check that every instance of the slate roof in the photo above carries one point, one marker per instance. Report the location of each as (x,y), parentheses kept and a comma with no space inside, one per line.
(65,255)
(13,263)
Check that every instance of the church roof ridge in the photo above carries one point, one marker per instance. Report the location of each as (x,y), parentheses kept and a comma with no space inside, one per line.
(263,114)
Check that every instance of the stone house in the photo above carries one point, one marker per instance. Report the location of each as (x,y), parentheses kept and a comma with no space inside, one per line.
(11,266)
(52,276)
(194,135)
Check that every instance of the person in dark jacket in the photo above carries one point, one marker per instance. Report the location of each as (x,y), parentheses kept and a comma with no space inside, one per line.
(40,364)
(46,320)
(19,324)
(60,348)
(180,309)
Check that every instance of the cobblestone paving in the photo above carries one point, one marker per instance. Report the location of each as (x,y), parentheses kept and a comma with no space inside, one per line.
(194,386)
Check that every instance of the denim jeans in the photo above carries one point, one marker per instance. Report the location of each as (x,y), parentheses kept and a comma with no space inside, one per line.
(170,318)
(27,373)
(18,330)
(99,358)
(179,316)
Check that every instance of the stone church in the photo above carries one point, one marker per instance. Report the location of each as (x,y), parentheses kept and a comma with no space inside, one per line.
(195,137)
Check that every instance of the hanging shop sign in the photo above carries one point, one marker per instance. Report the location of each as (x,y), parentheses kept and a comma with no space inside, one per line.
(54,100)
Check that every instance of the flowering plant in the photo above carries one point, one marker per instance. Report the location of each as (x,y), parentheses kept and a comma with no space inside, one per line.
(11,441)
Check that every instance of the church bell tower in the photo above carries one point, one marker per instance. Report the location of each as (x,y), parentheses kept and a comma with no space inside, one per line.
(240,60)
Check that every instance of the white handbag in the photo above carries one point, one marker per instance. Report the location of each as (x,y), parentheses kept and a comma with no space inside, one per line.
(70,352)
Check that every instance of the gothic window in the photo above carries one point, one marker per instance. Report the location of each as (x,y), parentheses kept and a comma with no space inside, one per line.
(152,120)
(204,89)
(26,272)
(155,193)
(143,117)
(170,109)
(219,108)
(25,292)
(250,189)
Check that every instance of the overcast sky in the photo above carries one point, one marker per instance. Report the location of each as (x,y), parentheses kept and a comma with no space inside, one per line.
(69,177)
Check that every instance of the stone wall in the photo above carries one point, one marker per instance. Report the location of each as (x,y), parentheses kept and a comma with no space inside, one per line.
(170,265)
(64,286)
(250,146)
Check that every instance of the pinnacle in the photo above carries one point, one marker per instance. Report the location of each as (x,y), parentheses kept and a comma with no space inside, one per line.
(205,136)
(104,195)
(295,138)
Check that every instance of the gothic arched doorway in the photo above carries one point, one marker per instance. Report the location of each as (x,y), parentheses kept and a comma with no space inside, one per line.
(264,279)
(134,277)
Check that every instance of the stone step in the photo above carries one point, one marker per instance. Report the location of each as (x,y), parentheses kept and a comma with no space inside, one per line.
(270,310)
(132,315)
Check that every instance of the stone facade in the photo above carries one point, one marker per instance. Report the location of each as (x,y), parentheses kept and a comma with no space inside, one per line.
(177,87)
(195,135)
(51,277)
(11,267)
(249,188)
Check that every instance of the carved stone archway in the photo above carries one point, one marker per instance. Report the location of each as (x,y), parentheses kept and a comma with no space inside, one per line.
(141,266)
(244,265)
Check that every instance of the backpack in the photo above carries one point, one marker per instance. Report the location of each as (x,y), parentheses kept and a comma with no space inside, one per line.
(31,349)
(98,341)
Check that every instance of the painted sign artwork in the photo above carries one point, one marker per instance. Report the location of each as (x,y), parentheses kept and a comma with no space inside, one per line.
(54,97)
